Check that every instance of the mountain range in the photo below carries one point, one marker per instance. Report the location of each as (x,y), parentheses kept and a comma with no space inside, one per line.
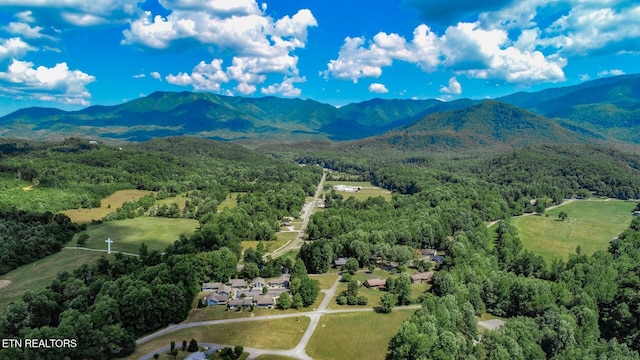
(603,110)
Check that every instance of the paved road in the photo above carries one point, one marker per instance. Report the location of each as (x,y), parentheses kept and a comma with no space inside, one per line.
(307,210)
(564,202)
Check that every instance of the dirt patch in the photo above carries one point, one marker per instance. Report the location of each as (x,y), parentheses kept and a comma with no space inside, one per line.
(4,283)
(491,324)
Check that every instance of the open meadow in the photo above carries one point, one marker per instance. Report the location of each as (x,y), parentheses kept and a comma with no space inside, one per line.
(590,223)
(368,190)
(38,274)
(275,334)
(128,235)
(107,205)
(354,336)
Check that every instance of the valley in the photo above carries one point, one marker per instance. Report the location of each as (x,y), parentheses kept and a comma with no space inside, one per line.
(377,244)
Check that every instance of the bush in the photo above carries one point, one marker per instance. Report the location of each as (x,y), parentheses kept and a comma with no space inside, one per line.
(193,346)
(362,300)
(346,277)
(341,300)
(352,300)
(82,239)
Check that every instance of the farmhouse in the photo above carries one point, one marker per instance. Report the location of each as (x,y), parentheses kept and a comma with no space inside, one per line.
(375,283)
(421,277)
(347,188)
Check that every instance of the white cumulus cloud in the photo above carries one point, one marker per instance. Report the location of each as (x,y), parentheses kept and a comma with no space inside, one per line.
(156,75)
(454,87)
(378,88)
(261,45)
(285,88)
(205,76)
(14,47)
(77,12)
(612,72)
(57,83)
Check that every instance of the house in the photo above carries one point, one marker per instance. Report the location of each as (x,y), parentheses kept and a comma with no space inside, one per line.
(238,283)
(429,252)
(438,259)
(421,277)
(264,301)
(224,290)
(214,299)
(375,283)
(211,286)
(258,283)
(279,282)
(248,294)
(238,303)
(340,262)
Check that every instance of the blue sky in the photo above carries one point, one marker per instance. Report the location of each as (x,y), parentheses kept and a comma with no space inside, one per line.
(71,54)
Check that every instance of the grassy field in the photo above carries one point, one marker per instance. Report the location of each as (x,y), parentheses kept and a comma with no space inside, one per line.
(326,280)
(108,204)
(355,336)
(127,235)
(273,357)
(37,275)
(180,200)
(277,334)
(282,238)
(591,224)
(230,201)
(368,190)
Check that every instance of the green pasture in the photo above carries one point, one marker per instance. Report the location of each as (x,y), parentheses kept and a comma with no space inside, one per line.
(37,275)
(128,235)
(590,223)
(230,201)
(107,205)
(276,334)
(368,190)
(355,336)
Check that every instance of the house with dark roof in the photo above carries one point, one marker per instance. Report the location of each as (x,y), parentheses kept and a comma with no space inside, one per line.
(429,252)
(264,301)
(258,283)
(340,262)
(438,259)
(238,283)
(279,282)
(239,303)
(248,294)
(211,286)
(224,290)
(214,299)
(375,283)
(423,277)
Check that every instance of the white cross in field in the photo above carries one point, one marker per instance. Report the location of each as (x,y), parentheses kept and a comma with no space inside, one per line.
(109,241)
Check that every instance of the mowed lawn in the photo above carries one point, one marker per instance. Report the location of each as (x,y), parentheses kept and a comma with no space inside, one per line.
(107,205)
(354,336)
(368,190)
(128,235)
(591,224)
(276,334)
(37,275)
(230,201)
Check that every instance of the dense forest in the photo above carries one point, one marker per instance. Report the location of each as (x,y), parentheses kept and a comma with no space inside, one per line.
(585,307)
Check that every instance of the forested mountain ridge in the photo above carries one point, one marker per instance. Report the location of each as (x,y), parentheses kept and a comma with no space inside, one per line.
(601,109)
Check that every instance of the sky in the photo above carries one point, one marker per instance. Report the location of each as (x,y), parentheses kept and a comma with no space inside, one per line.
(71,54)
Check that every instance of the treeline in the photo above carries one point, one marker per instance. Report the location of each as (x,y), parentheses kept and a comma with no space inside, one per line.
(27,237)
(108,305)
(84,174)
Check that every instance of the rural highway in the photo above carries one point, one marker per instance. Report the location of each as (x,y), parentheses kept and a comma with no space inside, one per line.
(307,210)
